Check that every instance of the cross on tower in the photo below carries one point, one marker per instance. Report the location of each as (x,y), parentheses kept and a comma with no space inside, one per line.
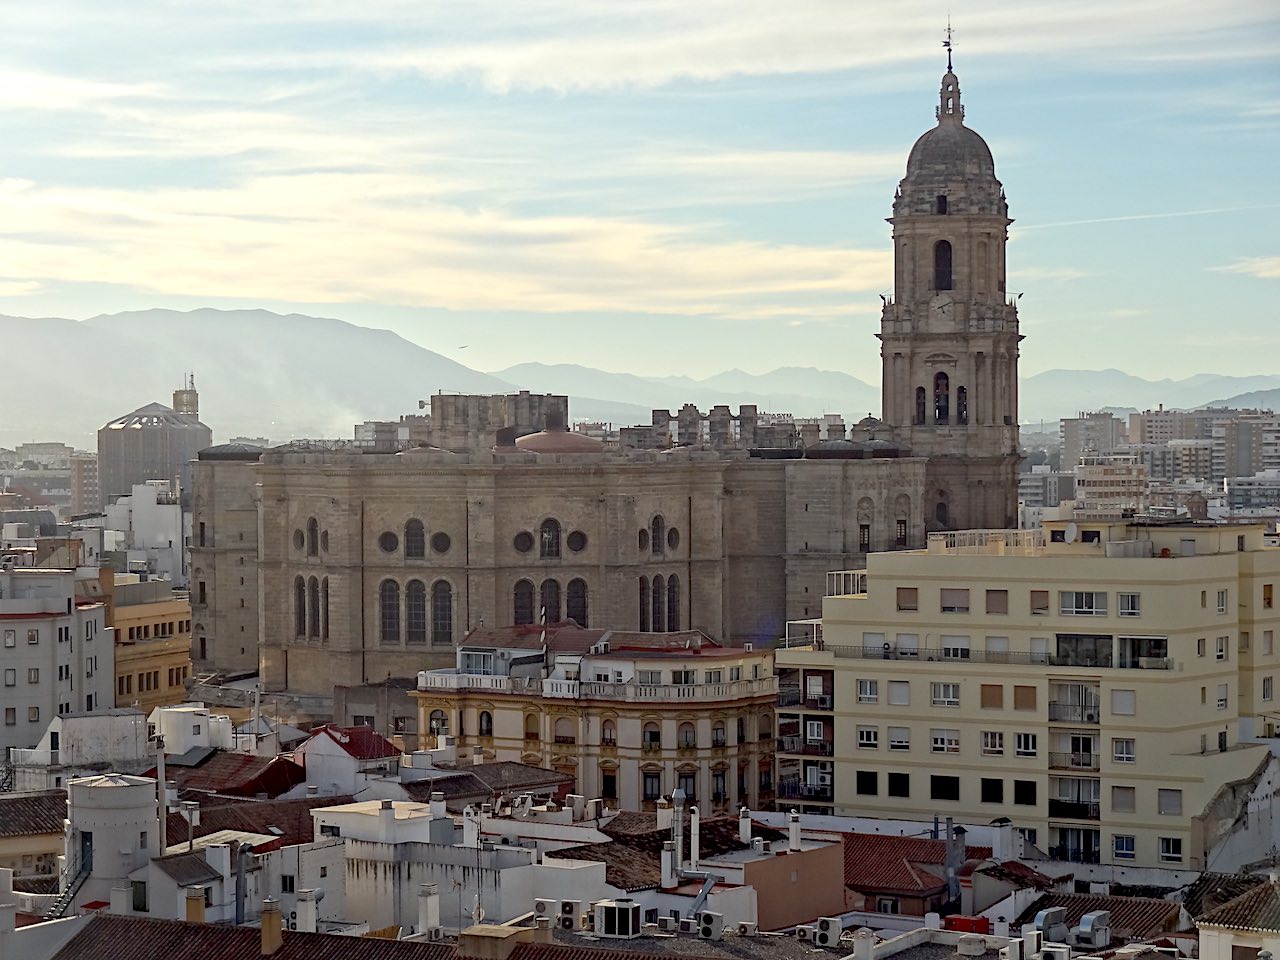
(947,44)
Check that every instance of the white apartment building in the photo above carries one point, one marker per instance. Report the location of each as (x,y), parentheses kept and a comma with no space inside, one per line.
(57,655)
(1098,683)
(149,526)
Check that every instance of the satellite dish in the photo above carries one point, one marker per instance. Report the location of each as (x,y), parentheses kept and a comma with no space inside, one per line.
(1072,532)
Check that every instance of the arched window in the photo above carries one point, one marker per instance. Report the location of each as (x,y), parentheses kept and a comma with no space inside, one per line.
(522,602)
(686,736)
(941,514)
(415,540)
(531,727)
(718,735)
(942,265)
(549,539)
(550,596)
(651,738)
(576,601)
(962,405)
(389,610)
(313,607)
(644,604)
(299,607)
(313,537)
(901,518)
(941,398)
(659,597)
(486,723)
(438,723)
(415,612)
(766,726)
(442,612)
(324,608)
(564,732)
(673,604)
(866,519)
(656,535)
(609,733)
(921,404)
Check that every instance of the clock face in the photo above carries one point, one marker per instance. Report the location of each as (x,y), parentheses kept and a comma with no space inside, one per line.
(942,310)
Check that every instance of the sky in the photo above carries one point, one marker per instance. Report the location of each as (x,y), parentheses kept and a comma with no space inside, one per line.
(656,186)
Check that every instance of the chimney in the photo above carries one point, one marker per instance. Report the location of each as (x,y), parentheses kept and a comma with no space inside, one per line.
(437,805)
(470,827)
(864,944)
(272,937)
(793,832)
(955,858)
(677,825)
(1002,846)
(668,865)
(219,856)
(386,820)
(744,825)
(664,814)
(308,912)
(195,904)
(428,907)
(119,900)
(694,831)
(313,790)
(542,930)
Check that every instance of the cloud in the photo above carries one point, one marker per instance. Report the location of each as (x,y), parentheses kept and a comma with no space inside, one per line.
(1146,216)
(29,90)
(1264,268)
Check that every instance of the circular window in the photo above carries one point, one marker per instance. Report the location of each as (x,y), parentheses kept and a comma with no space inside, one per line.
(673,538)
(324,541)
(299,539)
(644,540)
(577,541)
(523,541)
(389,542)
(440,542)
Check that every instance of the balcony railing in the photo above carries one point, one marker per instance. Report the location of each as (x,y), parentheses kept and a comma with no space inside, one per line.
(1073,761)
(846,583)
(1074,809)
(609,743)
(1074,712)
(808,748)
(651,746)
(960,655)
(790,698)
(448,680)
(1074,855)
(718,742)
(562,738)
(800,790)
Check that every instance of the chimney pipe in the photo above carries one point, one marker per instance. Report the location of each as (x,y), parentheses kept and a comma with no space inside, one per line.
(308,912)
(436,805)
(429,907)
(542,930)
(195,904)
(668,865)
(272,935)
(793,832)
(694,831)
(744,825)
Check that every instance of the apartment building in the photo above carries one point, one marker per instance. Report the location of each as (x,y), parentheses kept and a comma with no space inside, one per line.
(153,642)
(1096,682)
(1089,433)
(631,716)
(57,655)
(1112,485)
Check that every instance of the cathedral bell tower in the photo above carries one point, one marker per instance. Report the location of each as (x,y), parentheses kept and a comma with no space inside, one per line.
(949,336)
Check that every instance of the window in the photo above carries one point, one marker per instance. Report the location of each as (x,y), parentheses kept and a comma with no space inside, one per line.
(864,538)
(1222,601)
(992,696)
(942,203)
(442,612)
(33,635)
(1124,703)
(1268,685)
(900,533)
(898,784)
(1222,696)
(992,790)
(1024,745)
(1040,602)
(1268,596)
(868,738)
(1171,849)
(955,600)
(576,601)
(944,788)
(415,540)
(997,601)
(1268,641)
(10,638)
(522,602)
(10,716)
(330,830)
(992,743)
(1129,604)
(656,534)
(33,714)
(946,694)
(684,677)
(673,604)
(688,782)
(139,890)
(486,723)
(1122,750)
(1024,792)
(899,693)
(868,691)
(713,676)
(1221,646)
(549,539)
(1082,603)
(1169,802)
(955,648)
(899,738)
(908,598)
(286,883)
(1200,647)
(10,677)
(945,741)
(867,783)
(415,604)
(812,730)
(389,604)
(1024,698)
(1122,847)
(942,265)
(1123,799)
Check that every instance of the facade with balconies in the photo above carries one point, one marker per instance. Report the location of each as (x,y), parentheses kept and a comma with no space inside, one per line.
(631,716)
(1104,685)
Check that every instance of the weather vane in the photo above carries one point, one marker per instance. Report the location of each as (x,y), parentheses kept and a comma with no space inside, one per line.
(947,43)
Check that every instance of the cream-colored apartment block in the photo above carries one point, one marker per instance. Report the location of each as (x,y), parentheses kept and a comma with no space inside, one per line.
(1099,683)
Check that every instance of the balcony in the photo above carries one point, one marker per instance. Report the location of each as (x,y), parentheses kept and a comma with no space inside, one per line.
(801,790)
(957,655)
(1074,854)
(808,748)
(651,746)
(847,583)
(1073,761)
(609,744)
(790,697)
(667,693)
(566,739)
(1060,712)
(718,743)
(1074,809)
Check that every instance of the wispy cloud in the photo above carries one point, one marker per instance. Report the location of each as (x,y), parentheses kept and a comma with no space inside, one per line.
(1266,268)
(1172,214)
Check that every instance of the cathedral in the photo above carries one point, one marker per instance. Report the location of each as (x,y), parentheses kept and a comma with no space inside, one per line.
(340,562)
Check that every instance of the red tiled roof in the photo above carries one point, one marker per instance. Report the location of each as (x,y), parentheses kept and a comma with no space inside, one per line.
(238,774)
(565,951)
(1131,917)
(362,743)
(291,817)
(23,814)
(1016,873)
(1259,909)
(909,865)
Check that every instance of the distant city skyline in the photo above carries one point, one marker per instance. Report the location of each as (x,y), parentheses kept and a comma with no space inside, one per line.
(654,187)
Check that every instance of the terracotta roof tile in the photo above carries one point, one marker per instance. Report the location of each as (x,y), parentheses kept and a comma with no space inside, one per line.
(566,951)
(186,869)
(1132,918)
(238,774)
(363,743)
(24,814)
(1212,890)
(1259,909)
(878,863)
(291,817)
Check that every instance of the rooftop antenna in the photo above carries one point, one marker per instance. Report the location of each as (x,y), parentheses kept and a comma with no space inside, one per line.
(947,42)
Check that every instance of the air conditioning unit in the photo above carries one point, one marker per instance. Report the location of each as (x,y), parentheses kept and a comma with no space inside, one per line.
(1056,951)
(570,908)
(829,931)
(806,931)
(824,779)
(435,933)
(710,925)
(1013,951)
(826,939)
(546,908)
(689,925)
(747,929)
(668,924)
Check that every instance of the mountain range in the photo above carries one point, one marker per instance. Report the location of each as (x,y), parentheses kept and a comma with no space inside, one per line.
(283,376)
